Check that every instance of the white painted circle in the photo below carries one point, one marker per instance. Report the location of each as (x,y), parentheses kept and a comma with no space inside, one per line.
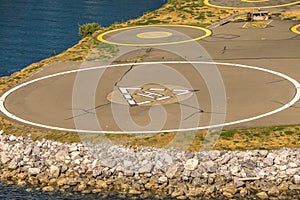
(289,104)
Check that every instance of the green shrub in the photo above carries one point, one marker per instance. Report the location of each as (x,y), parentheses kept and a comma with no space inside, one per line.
(150,21)
(278,128)
(88,29)
(266,133)
(239,148)
(227,134)
(289,132)
(201,16)
(77,58)
(276,14)
(290,18)
(256,134)
(210,14)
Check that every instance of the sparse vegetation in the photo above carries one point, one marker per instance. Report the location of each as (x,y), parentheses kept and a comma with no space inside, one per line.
(236,139)
(88,29)
(228,134)
(290,18)
(102,52)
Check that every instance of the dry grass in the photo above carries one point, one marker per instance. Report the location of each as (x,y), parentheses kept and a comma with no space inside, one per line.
(192,12)
(291,15)
(237,139)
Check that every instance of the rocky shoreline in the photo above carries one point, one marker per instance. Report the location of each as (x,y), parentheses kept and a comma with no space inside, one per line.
(54,166)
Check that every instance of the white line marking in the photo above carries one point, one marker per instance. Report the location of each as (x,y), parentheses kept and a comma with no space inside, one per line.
(157,89)
(123,90)
(287,105)
(182,93)
(151,95)
(134,88)
(131,102)
(163,98)
(127,96)
(143,102)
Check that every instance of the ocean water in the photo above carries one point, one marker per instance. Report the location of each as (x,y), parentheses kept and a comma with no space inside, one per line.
(11,192)
(31,30)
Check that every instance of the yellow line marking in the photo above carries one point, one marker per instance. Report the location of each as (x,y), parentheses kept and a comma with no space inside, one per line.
(257,24)
(295,29)
(154,34)
(244,26)
(206,2)
(269,22)
(254,1)
(206,31)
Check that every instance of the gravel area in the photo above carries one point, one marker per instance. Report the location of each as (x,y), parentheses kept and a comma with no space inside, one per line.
(88,168)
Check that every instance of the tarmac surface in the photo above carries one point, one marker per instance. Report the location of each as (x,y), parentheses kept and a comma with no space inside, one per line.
(212,87)
(262,4)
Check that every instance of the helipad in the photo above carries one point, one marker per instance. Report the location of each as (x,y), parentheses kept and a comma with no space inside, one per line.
(52,114)
(154,35)
(250,4)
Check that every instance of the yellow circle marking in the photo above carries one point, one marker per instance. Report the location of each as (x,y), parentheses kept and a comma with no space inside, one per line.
(154,34)
(254,1)
(206,31)
(295,29)
(206,2)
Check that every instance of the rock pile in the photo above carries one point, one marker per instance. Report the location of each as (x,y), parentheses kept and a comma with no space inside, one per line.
(94,168)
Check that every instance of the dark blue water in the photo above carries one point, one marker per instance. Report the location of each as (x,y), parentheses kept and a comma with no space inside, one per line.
(30,30)
(11,192)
